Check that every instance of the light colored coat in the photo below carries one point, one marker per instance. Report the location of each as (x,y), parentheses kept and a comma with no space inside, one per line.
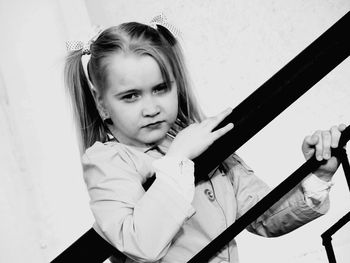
(160,225)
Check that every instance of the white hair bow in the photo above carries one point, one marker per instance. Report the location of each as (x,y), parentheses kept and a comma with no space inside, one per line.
(84,46)
(163,21)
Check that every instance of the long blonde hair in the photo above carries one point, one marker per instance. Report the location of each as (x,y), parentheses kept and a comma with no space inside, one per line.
(134,38)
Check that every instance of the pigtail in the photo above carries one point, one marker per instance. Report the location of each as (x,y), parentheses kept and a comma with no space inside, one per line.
(189,108)
(90,127)
(168,36)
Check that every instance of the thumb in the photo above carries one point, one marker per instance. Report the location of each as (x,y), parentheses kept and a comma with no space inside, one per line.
(308,146)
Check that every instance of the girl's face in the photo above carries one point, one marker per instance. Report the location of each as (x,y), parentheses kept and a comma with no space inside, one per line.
(142,107)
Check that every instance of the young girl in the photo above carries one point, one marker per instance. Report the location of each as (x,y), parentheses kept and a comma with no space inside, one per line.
(137,118)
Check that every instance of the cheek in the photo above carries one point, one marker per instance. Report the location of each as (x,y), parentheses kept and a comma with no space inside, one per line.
(174,104)
(126,115)
(174,109)
(122,115)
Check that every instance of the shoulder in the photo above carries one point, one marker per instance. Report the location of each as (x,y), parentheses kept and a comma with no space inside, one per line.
(105,153)
(101,151)
(235,162)
(115,159)
(246,184)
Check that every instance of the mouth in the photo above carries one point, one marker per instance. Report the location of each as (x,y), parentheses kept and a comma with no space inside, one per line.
(153,124)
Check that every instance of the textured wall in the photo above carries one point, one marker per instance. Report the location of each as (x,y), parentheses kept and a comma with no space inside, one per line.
(232,47)
(43,199)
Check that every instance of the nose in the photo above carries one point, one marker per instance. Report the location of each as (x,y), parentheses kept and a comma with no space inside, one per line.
(151,107)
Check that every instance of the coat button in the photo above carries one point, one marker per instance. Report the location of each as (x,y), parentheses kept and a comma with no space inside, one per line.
(209,194)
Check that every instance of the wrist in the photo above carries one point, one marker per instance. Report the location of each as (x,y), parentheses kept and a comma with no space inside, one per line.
(316,192)
(178,155)
(177,173)
(175,168)
(324,176)
(312,183)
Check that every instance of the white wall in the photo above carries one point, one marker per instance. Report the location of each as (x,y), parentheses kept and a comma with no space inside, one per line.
(233,47)
(43,199)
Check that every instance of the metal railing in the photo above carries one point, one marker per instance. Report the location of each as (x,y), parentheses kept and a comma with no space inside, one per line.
(249,117)
(327,235)
(269,200)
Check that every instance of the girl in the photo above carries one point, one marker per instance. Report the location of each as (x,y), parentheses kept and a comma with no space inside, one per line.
(137,117)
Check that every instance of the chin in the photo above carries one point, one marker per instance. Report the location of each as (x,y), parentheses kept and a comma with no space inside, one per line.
(155,138)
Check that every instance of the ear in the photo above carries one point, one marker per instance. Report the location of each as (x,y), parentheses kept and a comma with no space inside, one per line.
(99,103)
(96,94)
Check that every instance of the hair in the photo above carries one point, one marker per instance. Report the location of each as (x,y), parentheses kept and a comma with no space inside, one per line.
(129,38)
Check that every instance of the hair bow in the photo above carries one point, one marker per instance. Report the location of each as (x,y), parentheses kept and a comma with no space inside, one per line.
(163,21)
(74,45)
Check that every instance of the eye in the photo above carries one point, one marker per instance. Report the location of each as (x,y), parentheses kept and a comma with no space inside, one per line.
(131,97)
(163,88)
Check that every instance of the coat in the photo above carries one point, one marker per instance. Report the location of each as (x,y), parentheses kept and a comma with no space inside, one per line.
(160,224)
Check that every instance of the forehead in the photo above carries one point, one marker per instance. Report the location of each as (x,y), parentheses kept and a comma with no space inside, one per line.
(131,71)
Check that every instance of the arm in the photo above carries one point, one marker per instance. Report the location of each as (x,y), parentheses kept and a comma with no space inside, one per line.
(140,224)
(309,199)
(289,213)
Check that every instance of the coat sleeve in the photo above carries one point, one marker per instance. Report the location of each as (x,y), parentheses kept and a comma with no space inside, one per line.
(289,213)
(140,224)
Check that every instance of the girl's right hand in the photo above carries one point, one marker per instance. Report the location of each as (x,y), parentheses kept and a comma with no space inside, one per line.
(197,137)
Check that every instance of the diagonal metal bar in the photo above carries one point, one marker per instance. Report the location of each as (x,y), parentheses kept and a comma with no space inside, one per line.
(278,93)
(90,247)
(264,204)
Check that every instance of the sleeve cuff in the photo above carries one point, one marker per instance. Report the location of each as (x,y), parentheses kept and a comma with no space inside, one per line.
(316,191)
(178,173)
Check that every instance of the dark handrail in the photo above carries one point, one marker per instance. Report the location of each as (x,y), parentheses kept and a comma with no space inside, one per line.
(90,247)
(250,116)
(264,204)
(278,93)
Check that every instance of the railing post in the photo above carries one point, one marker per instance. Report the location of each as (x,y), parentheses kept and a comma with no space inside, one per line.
(327,242)
(327,237)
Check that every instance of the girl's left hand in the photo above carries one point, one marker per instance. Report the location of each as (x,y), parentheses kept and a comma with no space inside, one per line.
(320,144)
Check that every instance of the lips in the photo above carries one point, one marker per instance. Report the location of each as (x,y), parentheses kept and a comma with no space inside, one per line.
(153,124)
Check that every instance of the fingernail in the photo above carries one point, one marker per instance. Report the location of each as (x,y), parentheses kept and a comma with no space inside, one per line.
(319,157)
(326,156)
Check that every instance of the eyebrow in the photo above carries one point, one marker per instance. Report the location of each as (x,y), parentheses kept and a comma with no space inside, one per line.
(125,92)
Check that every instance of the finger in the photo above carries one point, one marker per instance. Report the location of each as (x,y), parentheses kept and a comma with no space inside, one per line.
(206,121)
(214,121)
(318,146)
(220,132)
(310,142)
(335,135)
(326,144)
(308,146)
(342,127)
